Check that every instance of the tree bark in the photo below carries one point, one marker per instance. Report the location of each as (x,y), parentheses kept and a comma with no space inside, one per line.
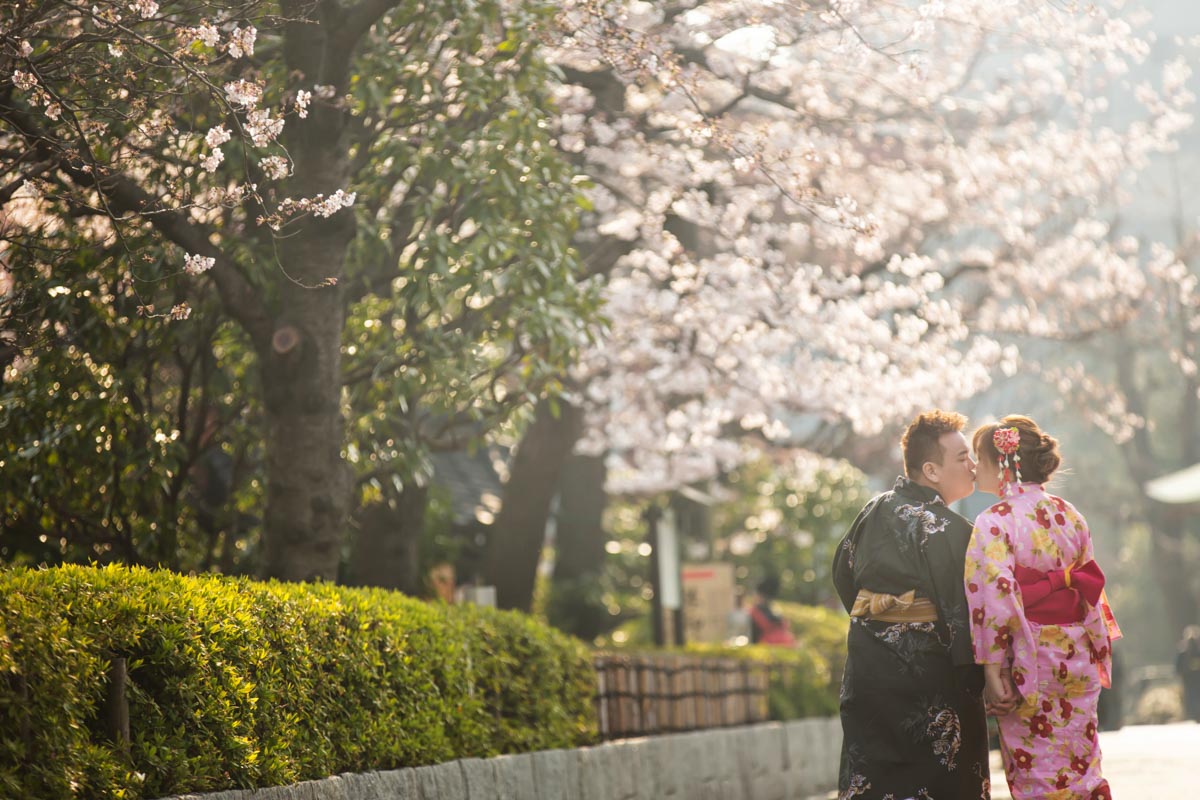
(515,544)
(575,603)
(307,487)
(307,480)
(387,545)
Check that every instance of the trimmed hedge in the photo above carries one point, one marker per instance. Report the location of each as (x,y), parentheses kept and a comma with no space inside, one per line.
(234,683)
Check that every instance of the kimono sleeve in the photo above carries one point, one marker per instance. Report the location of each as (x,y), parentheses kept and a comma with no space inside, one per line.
(1088,554)
(1099,622)
(843,560)
(997,615)
(946,555)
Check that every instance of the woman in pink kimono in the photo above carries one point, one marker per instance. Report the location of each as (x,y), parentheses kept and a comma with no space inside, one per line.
(1039,622)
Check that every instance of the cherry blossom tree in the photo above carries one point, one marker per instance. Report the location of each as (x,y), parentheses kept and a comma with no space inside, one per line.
(878,178)
(1136,382)
(1121,359)
(830,210)
(833,210)
(324,169)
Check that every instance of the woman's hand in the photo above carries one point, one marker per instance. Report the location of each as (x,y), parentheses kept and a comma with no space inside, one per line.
(999,693)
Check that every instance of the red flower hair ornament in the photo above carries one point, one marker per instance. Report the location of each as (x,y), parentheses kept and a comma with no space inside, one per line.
(1008,443)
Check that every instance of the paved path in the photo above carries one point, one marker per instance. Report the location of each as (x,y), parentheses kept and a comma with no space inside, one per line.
(1141,762)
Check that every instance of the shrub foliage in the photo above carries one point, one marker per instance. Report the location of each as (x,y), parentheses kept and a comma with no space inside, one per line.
(234,683)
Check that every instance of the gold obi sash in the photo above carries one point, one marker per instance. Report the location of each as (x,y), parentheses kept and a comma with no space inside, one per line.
(906,607)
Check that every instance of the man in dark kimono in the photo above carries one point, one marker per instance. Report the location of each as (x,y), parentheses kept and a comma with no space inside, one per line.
(912,710)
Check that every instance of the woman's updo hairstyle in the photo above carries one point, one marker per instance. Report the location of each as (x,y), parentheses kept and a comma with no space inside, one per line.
(1038,449)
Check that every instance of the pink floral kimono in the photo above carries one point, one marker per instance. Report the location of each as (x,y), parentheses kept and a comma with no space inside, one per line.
(1056,633)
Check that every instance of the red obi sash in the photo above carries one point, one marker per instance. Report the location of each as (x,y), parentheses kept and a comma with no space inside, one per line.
(1060,596)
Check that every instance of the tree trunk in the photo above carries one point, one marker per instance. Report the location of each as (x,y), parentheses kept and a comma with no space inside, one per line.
(307,486)
(307,481)
(575,601)
(515,544)
(386,550)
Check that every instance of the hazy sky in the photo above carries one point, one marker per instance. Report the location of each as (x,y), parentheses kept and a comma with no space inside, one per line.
(1172,20)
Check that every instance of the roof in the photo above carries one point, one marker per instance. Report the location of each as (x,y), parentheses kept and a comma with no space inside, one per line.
(1178,487)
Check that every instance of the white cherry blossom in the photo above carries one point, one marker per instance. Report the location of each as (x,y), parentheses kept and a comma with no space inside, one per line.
(241,41)
(243,93)
(197,264)
(818,225)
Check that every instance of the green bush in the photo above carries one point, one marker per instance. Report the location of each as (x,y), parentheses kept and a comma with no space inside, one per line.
(237,684)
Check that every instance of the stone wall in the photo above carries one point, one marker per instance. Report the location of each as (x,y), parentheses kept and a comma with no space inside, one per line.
(775,761)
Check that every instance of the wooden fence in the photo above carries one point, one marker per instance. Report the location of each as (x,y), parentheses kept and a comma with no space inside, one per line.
(643,695)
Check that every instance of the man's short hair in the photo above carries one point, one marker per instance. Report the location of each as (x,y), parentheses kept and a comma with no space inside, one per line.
(920,441)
